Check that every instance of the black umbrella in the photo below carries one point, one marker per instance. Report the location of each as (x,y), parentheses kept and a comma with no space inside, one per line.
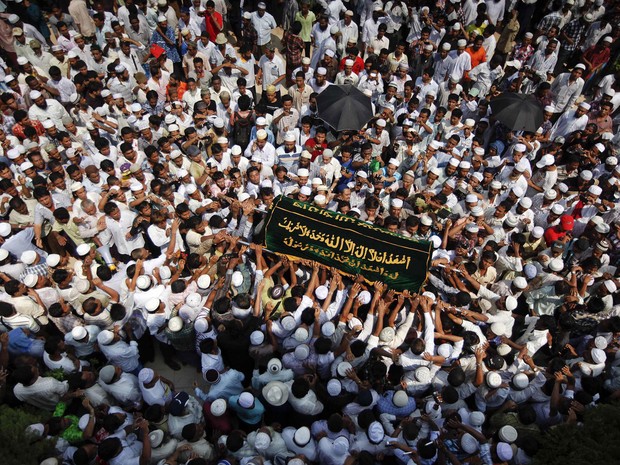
(344,107)
(519,112)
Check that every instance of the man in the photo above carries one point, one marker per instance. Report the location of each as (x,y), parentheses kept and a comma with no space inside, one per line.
(602,118)
(327,44)
(262,148)
(79,12)
(349,32)
(566,88)
(425,84)
(543,62)
(285,118)
(442,62)
(63,86)
(300,92)
(571,121)
(379,137)
(477,53)
(289,152)
(571,37)
(188,58)
(119,228)
(138,31)
(20,43)
(378,42)
(43,393)
(347,76)
(272,69)
(46,109)
(524,51)
(370,27)
(319,83)
(263,22)
(214,23)
(462,61)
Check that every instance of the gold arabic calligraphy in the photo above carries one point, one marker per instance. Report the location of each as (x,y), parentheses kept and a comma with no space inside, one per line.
(342,250)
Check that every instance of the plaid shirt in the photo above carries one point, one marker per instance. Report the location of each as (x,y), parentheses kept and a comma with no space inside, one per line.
(39,269)
(250,36)
(293,46)
(461,15)
(523,53)
(18,129)
(552,19)
(67,322)
(574,30)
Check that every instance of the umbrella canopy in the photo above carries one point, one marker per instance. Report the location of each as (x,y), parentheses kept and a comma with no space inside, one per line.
(519,112)
(344,108)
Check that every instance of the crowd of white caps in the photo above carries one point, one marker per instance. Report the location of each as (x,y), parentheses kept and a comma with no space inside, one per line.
(141,145)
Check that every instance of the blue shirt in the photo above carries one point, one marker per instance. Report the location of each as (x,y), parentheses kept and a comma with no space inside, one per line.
(19,342)
(396,176)
(228,386)
(251,416)
(385,405)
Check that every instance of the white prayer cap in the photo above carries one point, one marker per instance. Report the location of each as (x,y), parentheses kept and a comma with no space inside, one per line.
(469,444)
(152,305)
(493,379)
(257,338)
(557,209)
(302,352)
(598,355)
(28,257)
(218,407)
(595,190)
(520,381)
(508,433)
(83,249)
(31,280)
(334,387)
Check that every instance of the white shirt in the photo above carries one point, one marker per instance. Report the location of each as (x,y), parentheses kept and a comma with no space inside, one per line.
(122,354)
(65,87)
(158,394)
(461,64)
(44,393)
(54,111)
(118,231)
(348,34)
(267,153)
(272,70)
(309,450)
(567,123)
(327,454)
(126,390)
(263,25)
(565,92)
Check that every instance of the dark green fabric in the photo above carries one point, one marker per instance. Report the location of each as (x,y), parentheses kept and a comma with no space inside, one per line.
(302,230)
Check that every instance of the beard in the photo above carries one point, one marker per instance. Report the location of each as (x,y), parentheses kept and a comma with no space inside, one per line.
(42,106)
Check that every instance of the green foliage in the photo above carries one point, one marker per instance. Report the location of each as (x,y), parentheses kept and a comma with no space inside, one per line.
(17,446)
(57,373)
(595,442)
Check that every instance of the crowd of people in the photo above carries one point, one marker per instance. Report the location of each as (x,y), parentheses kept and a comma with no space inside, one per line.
(141,145)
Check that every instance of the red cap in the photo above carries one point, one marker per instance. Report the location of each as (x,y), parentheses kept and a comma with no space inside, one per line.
(567,222)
